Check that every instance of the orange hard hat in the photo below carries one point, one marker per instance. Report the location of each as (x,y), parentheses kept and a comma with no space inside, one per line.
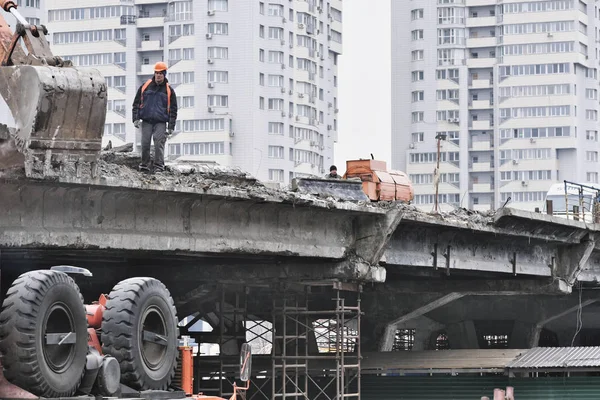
(160,66)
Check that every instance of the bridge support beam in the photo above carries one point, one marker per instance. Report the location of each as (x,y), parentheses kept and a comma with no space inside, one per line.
(524,335)
(572,260)
(463,335)
(387,339)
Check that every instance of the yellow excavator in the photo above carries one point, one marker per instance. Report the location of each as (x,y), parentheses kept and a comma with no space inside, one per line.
(59,110)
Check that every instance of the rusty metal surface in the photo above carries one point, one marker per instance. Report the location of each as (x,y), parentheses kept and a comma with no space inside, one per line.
(59,113)
(558,357)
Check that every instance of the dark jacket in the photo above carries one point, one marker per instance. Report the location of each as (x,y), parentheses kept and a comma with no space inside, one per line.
(154,108)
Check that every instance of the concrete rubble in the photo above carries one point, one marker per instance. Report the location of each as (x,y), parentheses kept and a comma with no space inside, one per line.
(121,169)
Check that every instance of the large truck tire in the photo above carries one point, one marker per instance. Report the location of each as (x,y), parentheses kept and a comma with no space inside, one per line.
(43,334)
(139,329)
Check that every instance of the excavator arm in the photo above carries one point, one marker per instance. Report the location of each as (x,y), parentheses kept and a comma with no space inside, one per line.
(59,110)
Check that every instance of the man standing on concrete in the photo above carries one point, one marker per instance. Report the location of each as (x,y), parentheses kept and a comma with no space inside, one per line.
(332,173)
(155,109)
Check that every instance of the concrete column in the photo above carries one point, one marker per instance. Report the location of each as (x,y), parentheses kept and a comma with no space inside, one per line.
(525,335)
(462,335)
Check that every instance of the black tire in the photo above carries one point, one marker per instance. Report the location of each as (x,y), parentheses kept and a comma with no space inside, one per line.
(37,304)
(139,329)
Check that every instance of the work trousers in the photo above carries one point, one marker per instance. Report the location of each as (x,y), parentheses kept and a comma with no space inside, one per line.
(158,132)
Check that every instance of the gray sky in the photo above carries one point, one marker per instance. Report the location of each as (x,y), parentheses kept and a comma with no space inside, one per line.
(364,96)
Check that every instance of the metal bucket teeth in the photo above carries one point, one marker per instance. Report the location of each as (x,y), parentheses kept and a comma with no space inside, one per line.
(59,115)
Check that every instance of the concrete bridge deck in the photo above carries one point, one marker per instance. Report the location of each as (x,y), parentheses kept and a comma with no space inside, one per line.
(361,242)
(425,272)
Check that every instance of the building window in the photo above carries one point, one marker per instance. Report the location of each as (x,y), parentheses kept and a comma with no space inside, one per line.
(275,33)
(417,55)
(418,76)
(418,137)
(416,14)
(276,128)
(442,342)
(185,102)
(188,77)
(276,104)
(276,152)
(275,10)
(218,53)
(218,76)
(418,95)
(418,116)
(276,80)
(417,34)
(276,175)
(404,340)
(217,5)
(218,28)
(215,100)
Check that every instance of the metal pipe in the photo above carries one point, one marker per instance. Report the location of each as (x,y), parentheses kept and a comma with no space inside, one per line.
(19,17)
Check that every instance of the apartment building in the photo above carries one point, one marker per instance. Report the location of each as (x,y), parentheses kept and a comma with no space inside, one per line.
(508,88)
(34,12)
(256,80)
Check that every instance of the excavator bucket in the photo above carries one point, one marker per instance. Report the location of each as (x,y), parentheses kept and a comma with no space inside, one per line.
(59,114)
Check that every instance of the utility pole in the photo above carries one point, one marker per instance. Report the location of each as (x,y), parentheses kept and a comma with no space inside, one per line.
(436,175)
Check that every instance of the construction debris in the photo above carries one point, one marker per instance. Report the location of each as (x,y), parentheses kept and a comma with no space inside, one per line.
(118,167)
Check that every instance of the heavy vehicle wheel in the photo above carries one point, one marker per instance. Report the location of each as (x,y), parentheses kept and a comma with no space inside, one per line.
(139,329)
(43,334)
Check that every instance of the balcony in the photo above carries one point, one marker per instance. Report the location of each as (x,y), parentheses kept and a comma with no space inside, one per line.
(150,45)
(151,21)
(128,19)
(489,41)
(480,166)
(481,125)
(481,22)
(480,104)
(482,187)
(480,84)
(146,69)
(478,3)
(481,146)
(481,62)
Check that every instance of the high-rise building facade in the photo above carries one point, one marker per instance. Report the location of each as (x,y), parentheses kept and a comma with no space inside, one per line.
(34,12)
(256,81)
(507,88)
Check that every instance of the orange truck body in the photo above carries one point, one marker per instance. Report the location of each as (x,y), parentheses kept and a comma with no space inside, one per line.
(379,183)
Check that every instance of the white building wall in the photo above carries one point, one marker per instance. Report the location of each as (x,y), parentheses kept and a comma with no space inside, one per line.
(236,134)
(502,153)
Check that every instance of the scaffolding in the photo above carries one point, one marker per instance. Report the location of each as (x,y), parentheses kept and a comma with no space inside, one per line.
(309,336)
(317,348)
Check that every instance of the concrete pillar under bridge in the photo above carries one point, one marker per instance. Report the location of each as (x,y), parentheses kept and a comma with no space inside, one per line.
(506,318)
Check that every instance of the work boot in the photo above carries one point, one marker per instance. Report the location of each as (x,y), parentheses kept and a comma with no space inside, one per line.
(144,169)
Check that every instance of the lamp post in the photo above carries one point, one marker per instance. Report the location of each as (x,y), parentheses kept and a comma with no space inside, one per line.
(436,176)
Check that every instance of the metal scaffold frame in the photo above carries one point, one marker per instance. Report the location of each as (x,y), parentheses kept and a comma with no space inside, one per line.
(300,372)
(313,333)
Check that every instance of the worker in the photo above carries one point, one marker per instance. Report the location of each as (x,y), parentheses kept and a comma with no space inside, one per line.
(155,110)
(332,173)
